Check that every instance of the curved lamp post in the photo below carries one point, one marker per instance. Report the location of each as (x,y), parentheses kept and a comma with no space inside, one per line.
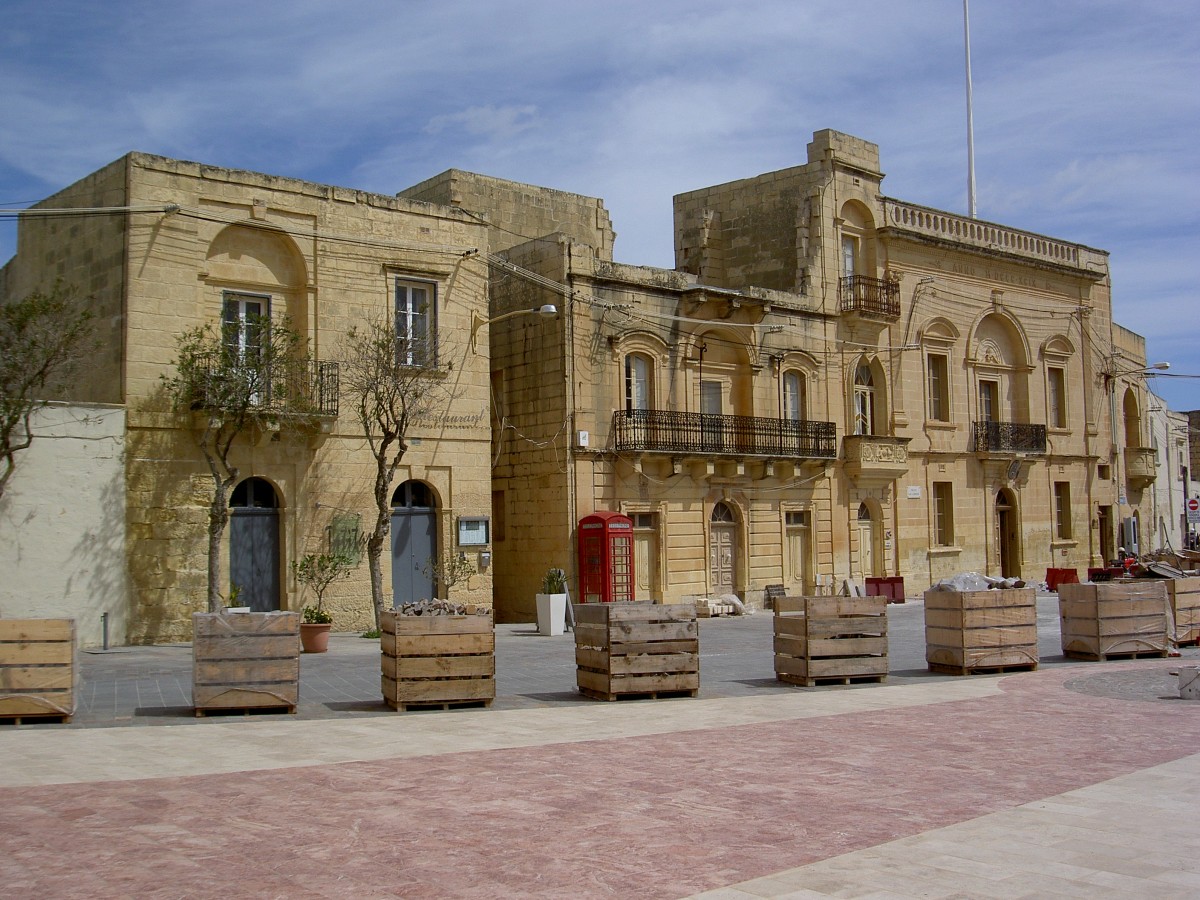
(548,311)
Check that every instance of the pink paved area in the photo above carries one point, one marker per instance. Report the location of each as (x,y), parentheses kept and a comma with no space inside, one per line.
(659,816)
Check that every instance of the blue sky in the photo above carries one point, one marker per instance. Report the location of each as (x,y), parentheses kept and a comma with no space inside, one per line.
(1086,111)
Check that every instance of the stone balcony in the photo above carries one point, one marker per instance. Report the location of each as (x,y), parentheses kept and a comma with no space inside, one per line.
(1141,467)
(872,459)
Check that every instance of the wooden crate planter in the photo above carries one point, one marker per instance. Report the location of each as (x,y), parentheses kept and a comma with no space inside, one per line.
(635,648)
(981,631)
(38,669)
(1117,619)
(831,639)
(245,661)
(437,660)
(1184,594)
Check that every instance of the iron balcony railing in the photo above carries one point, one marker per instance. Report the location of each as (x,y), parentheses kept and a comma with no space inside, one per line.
(876,298)
(289,388)
(664,431)
(1008,437)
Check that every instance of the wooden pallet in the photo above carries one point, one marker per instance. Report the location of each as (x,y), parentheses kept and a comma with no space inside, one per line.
(245,662)
(943,669)
(38,670)
(632,648)
(828,640)
(985,631)
(1123,619)
(405,706)
(437,661)
(1184,594)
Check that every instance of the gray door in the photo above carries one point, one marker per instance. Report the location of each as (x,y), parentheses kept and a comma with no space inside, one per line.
(414,543)
(254,545)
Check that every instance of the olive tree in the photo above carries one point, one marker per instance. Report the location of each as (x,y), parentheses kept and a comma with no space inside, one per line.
(236,380)
(392,382)
(42,339)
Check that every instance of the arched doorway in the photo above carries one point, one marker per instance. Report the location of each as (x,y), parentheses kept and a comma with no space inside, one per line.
(868,556)
(1008,535)
(414,542)
(722,549)
(254,544)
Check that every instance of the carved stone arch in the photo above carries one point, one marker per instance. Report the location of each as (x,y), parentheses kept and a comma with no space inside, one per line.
(640,342)
(726,358)
(1057,347)
(939,330)
(868,392)
(1001,332)
(260,260)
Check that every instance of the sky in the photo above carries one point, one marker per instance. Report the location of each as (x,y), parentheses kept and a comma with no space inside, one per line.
(1086,112)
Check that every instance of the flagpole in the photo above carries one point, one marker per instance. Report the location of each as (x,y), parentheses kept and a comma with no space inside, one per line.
(970,115)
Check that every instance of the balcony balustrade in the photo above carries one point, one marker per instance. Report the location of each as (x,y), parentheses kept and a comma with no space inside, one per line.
(286,388)
(702,434)
(1008,437)
(871,298)
(873,459)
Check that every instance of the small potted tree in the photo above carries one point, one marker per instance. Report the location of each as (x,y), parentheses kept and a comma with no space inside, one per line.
(318,571)
(552,603)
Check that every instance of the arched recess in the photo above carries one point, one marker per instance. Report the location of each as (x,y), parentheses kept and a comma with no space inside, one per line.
(1007,521)
(414,529)
(1132,415)
(859,254)
(721,363)
(254,545)
(1000,358)
(264,262)
(867,393)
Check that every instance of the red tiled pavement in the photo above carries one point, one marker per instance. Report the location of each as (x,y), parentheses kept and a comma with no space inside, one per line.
(656,816)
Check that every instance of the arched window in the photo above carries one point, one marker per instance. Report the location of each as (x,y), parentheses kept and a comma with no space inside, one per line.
(864,400)
(723,514)
(638,383)
(795,396)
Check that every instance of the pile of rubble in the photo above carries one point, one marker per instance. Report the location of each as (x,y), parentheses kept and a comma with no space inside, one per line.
(967,582)
(439,608)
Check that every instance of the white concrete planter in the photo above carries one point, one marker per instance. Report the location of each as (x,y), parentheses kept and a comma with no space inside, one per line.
(551,613)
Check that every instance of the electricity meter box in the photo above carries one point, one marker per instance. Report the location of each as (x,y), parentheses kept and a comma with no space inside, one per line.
(605,558)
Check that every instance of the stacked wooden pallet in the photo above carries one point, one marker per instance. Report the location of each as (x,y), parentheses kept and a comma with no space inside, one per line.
(437,660)
(1118,619)
(245,661)
(969,632)
(706,609)
(38,670)
(1184,594)
(830,639)
(630,649)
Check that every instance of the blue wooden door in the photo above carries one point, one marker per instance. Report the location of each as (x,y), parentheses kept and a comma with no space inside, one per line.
(414,543)
(254,545)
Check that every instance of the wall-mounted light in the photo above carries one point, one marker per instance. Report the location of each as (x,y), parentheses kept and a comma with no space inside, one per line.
(548,311)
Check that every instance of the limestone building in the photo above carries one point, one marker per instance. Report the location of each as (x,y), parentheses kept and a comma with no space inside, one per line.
(159,246)
(832,384)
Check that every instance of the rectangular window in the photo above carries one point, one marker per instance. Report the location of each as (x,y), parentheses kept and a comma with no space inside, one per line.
(989,400)
(1057,389)
(243,317)
(1062,510)
(499,515)
(637,382)
(943,513)
(795,400)
(939,387)
(416,325)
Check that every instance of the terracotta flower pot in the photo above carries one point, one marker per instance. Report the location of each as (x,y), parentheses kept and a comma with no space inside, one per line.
(314,637)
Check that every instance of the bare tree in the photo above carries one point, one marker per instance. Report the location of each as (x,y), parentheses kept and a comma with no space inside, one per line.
(42,337)
(392,382)
(255,374)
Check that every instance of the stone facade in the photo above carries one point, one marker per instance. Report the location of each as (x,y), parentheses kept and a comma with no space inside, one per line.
(181,243)
(831,384)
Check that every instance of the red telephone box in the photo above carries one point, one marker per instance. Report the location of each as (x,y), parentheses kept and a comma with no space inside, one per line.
(605,558)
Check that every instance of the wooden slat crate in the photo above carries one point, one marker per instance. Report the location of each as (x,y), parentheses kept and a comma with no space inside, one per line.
(1184,594)
(830,639)
(980,631)
(38,669)
(1120,618)
(245,661)
(437,660)
(635,648)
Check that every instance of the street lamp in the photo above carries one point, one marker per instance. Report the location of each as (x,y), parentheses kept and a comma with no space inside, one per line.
(548,311)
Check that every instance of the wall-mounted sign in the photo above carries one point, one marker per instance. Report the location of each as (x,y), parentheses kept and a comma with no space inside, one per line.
(914,492)
(474,531)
